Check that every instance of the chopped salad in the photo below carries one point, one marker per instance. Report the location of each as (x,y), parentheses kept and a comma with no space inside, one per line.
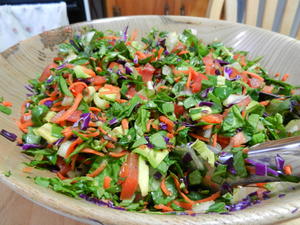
(141,125)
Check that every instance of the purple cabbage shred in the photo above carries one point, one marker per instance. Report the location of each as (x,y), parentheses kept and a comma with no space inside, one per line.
(48,103)
(113,121)
(209,104)
(279,161)
(30,146)
(100,202)
(8,135)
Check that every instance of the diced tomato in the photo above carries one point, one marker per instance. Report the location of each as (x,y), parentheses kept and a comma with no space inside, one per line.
(212,118)
(75,116)
(255,83)
(129,186)
(244,102)
(268,89)
(223,141)
(98,80)
(209,64)
(197,81)
(146,72)
(63,166)
(238,139)
(46,73)
(178,109)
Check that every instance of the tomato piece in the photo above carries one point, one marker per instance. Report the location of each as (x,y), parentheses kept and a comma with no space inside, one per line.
(129,186)
(178,109)
(64,168)
(223,141)
(255,83)
(98,80)
(244,102)
(197,81)
(146,72)
(209,62)
(212,118)
(75,116)
(46,73)
(238,139)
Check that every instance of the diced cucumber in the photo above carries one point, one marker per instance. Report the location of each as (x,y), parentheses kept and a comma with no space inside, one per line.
(154,157)
(198,112)
(100,103)
(79,72)
(109,97)
(49,116)
(143,177)
(91,91)
(45,132)
(220,81)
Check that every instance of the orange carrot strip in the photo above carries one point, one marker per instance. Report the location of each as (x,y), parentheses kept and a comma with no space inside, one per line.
(98,170)
(207,127)
(285,77)
(199,137)
(77,87)
(164,208)
(255,76)
(27,169)
(261,185)
(72,146)
(117,154)
(215,138)
(91,151)
(164,188)
(188,82)
(94,109)
(106,182)
(102,130)
(182,52)
(287,169)
(210,198)
(160,51)
(264,103)
(185,205)
(7,103)
(110,145)
(60,176)
(72,109)
(169,123)
(125,125)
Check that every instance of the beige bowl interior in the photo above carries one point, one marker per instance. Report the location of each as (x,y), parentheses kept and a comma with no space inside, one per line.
(28,58)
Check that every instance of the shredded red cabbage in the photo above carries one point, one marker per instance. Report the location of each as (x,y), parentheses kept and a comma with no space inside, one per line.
(30,146)
(48,103)
(100,202)
(113,121)
(209,104)
(279,162)
(8,135)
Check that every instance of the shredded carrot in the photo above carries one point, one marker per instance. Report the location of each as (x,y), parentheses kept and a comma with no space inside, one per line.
(91,151)
(277,75)
(184,205)
(102,130)
(169,123)
(98,170)
(177,79)
(72,109)
(207,127)
(60,176)
(106,182)
(287,169)
(261,185)
(125,125)
(182,52)
(67,132)
(210,198)
(244,90)
(27,169)
(244,113)
(148,125)
(77,87)
(255,76)
(160,51)
(199,137)
(215,139)
(94,109)
(164,208)
(73,146)
(7,103)
(164,188)
(117,154)
(285,77)
(110,145)
(73,162)
(264,103)
(188,82)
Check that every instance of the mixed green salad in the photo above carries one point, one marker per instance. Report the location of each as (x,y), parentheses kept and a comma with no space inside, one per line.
(141,125)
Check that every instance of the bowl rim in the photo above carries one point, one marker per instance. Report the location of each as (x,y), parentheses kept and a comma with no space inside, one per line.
(16,185)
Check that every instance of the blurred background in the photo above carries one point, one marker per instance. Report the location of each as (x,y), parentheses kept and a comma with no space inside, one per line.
(21,19)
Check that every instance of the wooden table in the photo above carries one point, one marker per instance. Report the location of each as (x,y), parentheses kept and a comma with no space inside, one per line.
(16,210)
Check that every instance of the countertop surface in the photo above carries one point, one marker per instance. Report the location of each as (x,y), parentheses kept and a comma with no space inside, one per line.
(16,210)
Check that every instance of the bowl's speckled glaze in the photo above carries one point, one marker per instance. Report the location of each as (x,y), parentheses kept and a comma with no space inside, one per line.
(28,58)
